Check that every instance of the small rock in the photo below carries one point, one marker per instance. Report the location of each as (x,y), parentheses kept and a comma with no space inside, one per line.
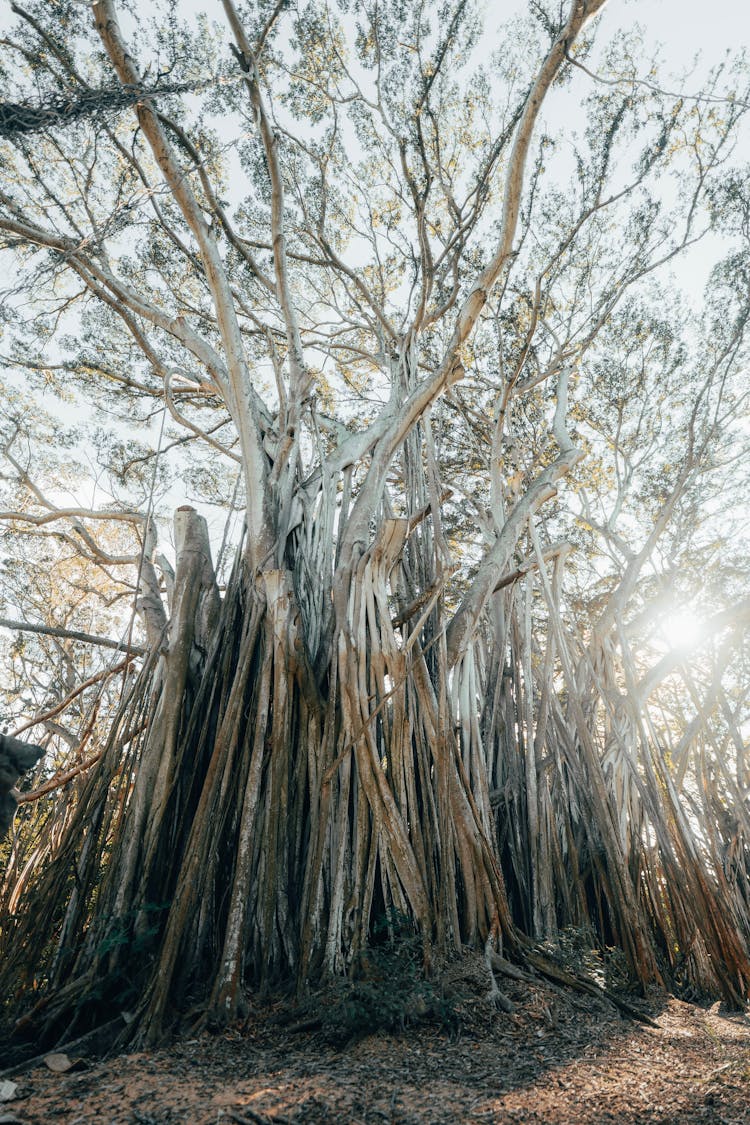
(8,1090)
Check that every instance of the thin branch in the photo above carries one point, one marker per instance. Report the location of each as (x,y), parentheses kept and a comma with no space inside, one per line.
(59,707)
(73,635)
(60,780)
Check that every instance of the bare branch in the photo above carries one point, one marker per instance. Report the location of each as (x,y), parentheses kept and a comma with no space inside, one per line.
(72,635)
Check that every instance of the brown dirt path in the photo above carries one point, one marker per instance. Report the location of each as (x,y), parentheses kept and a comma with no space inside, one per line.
(558,1059)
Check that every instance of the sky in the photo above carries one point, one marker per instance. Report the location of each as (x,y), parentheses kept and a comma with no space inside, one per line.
(692,36)
(685,26)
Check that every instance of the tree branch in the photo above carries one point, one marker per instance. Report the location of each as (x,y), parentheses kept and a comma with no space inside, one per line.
(73,635)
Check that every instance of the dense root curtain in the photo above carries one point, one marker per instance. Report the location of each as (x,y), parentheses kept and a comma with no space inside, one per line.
(250,824)
(260,822)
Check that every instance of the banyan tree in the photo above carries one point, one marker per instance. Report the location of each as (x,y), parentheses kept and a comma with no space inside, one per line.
(362,274)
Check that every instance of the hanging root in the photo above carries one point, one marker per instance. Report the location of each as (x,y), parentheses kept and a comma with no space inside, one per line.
(252,822)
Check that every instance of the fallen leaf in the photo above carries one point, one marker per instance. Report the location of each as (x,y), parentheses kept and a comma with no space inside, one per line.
(8,1090)
(60,1064)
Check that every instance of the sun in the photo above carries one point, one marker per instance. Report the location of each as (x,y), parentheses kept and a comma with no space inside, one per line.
(682,629)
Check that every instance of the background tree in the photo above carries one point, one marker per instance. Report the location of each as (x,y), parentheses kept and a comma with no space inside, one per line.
(327,264)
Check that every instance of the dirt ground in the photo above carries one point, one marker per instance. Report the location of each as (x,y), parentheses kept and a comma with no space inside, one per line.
(559,1058)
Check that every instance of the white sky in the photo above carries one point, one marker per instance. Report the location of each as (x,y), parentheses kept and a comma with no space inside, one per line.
(685,26)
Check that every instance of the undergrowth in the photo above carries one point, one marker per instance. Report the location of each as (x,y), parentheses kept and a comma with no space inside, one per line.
(576,949)
(386,990)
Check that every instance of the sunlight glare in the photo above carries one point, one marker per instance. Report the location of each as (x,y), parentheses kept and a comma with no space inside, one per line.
(681,629)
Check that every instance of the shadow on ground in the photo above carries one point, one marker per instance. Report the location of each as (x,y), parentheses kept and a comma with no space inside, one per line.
(558,1058)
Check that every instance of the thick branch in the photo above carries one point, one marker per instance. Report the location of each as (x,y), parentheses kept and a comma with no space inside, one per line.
(237,390)
(461,628)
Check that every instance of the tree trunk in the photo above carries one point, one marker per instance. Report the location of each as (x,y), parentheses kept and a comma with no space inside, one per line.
(347,739)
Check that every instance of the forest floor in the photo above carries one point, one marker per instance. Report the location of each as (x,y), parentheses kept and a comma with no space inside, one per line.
(559,1057)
